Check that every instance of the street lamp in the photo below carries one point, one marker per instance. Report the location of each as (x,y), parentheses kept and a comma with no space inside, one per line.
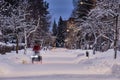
(87,3)
(68,30)
(81,3)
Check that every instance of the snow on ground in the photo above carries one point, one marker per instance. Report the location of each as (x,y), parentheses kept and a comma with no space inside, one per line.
(60,61)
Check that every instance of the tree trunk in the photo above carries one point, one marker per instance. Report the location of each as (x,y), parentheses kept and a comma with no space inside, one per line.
(17,46)
(25,47)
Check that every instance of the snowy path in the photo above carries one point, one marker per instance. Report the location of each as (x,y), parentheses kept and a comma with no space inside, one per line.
(60,64)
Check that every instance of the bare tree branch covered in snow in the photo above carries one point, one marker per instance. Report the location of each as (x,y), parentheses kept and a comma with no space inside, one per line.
(99,27)
(24,18)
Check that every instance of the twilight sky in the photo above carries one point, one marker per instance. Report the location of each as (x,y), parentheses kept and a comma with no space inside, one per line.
(60,8)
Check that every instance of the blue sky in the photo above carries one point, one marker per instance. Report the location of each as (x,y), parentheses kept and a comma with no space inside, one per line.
(59,8)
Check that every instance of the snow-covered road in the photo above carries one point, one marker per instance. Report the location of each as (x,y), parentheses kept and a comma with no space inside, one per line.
(60,64)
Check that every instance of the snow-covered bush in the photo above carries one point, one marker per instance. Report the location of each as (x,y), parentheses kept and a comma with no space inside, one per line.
(8,47)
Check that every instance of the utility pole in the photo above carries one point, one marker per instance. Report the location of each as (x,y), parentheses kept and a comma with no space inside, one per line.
(116,37)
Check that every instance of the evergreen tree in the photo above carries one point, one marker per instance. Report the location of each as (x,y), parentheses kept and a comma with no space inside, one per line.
(61,31)
(38,8)
(54,29)
(82,7)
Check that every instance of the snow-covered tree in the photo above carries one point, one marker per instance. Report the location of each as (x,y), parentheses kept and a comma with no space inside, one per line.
(98,28)
(101,22)
(18,22)
(21,20)
(39,8)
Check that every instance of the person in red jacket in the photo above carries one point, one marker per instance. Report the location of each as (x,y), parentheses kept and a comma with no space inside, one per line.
(36,56)
(36,48)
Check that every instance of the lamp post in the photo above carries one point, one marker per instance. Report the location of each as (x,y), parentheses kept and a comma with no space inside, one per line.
(116,35)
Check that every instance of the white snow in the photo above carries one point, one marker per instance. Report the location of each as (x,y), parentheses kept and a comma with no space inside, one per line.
(61,61)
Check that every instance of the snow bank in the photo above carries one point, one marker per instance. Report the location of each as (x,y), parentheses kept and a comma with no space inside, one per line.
(116,70)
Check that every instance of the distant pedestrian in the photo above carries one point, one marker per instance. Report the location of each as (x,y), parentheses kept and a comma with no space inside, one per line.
(87,54)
